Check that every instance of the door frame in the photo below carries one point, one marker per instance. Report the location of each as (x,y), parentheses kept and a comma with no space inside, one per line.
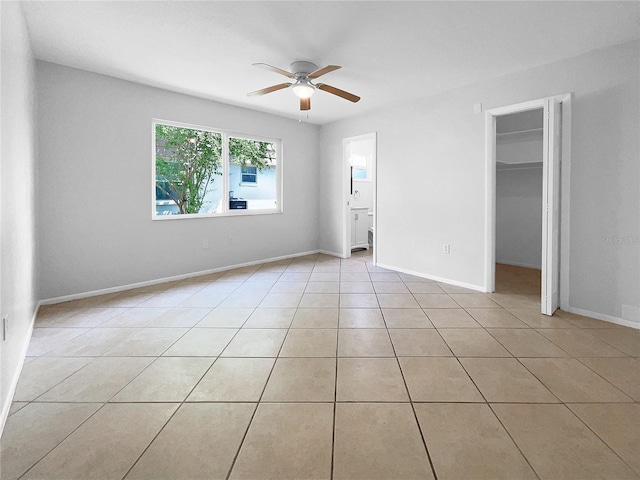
(564,183)
(346,192)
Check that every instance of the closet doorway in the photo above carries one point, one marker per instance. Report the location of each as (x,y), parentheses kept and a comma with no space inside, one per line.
(359,190)
(519,155)
(556,150)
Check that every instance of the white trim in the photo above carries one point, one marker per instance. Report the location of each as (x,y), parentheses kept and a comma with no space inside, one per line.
(226,135)
(565,200)
(229,213)
(490,183)
(374,180)
(333,254)
(121,288)
(490,203)
(547,225)
(346,202)
(604,317)
(470,286)
(4,415)
(520,107)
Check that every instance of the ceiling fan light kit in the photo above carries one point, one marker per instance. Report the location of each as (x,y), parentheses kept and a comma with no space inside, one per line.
(303,87)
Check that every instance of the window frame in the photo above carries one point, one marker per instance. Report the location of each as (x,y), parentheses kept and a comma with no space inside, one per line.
(255,176)
(226,211)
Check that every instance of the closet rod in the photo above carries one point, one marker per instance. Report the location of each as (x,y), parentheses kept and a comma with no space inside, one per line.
(520,131)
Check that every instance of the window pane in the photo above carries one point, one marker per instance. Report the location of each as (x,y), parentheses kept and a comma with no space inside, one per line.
(249,174)
(359,173)
(188,171)
(252,174)
(359,160)
(360,166)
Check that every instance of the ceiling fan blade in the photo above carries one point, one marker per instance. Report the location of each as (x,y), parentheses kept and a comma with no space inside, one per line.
(336,91)
(273,88)
(305,104)
(274,69)
(322,71)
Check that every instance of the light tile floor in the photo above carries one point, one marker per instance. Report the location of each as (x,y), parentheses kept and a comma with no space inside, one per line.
(321,368)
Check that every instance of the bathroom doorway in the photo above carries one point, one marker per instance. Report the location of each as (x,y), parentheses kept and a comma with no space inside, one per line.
(359,189)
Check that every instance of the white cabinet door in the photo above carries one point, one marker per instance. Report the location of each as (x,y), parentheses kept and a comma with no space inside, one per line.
(354,228)
(359,222)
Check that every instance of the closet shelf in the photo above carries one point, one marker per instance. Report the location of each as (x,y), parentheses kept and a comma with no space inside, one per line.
(519,132)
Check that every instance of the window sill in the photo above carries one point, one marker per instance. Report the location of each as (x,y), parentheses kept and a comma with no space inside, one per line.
(231,213)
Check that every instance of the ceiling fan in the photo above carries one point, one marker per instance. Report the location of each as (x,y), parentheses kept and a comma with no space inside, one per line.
(303,87)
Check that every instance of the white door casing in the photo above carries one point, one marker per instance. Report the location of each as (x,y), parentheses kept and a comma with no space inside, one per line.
(551,213)
(556,151)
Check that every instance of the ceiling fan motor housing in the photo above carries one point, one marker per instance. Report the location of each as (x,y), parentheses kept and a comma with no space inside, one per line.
(303,69)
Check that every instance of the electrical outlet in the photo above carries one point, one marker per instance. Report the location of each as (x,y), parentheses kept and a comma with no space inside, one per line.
(446,248)
(205,243)
(5,327)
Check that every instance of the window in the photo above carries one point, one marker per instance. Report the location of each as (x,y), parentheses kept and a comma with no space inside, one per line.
(205,172)
(361,167)
(249,175)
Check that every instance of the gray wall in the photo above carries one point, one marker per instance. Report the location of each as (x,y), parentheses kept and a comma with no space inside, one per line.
(519,216)
(94,224)
(17,174)
(519,156)
(441,142)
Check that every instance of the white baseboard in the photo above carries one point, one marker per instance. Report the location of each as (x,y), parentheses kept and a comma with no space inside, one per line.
(4,414)
(120,288)
(606,318)
(433,277)
(333,254)
(516,264)
(16,375)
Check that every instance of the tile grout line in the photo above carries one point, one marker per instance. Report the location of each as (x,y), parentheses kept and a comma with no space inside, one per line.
(598,436)
(480,391)
(289,328)
(537,330)
(566,405)
(488,404)
(413,409)
(259,402)
(605,379)
(513,439)
(577,359)
(60,442)
(181,403)
(335,386)
(561,402)
(484,397)
(154,438)
(65,378)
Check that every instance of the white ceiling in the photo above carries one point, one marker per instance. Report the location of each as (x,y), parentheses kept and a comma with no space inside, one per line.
(391,52)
